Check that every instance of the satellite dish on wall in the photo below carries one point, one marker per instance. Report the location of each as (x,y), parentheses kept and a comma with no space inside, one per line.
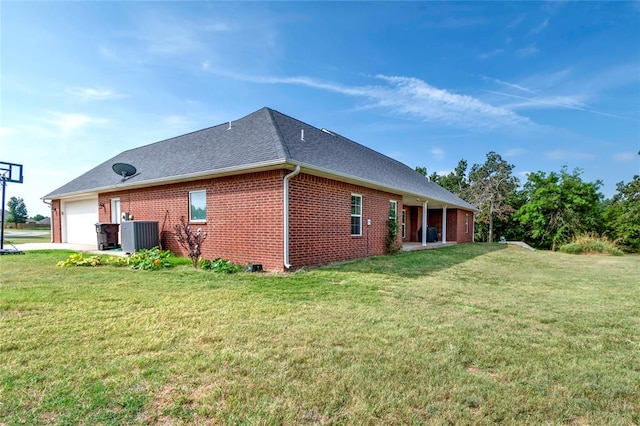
(125,170)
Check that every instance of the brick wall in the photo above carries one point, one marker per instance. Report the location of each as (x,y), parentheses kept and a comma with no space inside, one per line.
(320,221)
(455,224)
(56,221)
(244,215)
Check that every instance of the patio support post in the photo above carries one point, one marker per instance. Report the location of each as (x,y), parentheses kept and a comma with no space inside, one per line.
(444,224)
(425,228)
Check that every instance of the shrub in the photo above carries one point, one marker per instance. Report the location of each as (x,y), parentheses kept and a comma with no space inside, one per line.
(391,244)
(150,259)
(189,240)
(591,244)
(219,265)
(79,259)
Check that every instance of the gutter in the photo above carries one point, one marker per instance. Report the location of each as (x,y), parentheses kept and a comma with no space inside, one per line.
(287,178)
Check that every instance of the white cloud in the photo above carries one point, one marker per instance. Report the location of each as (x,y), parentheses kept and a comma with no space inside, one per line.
(527,51)
(515,152)
(67,123)
(413,98)
(624,157)
(96,94)
(563,154)
(438,153)
(540,27)
(515,22)
(491,53)
(524,174)
(6,131)
(507,84)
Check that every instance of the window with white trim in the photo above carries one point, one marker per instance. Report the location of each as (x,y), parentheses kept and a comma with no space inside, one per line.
(404,223)
(198,206)
(466,223)
(356,215)
(393,209)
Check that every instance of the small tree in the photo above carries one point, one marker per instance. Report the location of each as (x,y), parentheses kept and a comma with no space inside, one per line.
(17,211)
(189,240)
(391,244)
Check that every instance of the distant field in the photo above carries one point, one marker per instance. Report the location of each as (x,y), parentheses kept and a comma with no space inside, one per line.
(469,334)
(29,235)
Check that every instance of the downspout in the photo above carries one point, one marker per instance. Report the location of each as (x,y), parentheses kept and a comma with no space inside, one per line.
(425,225)
(444,224)
(50,211)
(288,177)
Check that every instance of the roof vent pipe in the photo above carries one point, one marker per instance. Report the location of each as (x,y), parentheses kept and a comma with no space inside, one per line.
(302,135)
(229,126)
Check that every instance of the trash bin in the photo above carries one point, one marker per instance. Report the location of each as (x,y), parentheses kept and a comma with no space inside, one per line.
(107,235)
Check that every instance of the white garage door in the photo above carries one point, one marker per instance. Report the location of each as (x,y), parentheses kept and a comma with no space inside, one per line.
(80,218)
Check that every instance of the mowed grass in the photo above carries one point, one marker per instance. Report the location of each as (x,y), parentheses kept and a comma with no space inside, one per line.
(470,334)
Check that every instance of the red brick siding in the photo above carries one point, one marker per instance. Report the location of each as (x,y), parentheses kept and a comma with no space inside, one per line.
(244,215)
(320,221)
(56,221)
(455,224)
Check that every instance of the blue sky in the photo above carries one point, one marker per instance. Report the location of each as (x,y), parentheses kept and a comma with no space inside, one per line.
(542,84)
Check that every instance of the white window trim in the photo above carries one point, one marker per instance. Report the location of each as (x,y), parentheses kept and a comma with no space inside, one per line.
(205,206)
(404,223)
(466,223)
(395,208)
(359,216)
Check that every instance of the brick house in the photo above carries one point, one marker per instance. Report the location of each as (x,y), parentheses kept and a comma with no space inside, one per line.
(268,189)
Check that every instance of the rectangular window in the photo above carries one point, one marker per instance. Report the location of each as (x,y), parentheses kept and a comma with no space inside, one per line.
(356,215)
(393,209)
(466,223)
(198,206)
(404,223)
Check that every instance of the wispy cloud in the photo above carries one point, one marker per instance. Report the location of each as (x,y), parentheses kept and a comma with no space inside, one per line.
(514,23)
(515,152)
(527,51)
(437,152)
(6,131)
(491,53)
(414,98)
(563,154)
(507,84)
(544,24)
(568,102)
(67,123)
(625,157)
(96,94)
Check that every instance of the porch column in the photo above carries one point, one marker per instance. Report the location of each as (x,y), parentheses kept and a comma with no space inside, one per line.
(444,224)
(473,227)
(425,228)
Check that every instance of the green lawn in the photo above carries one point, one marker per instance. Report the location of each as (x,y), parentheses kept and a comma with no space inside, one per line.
(470,334)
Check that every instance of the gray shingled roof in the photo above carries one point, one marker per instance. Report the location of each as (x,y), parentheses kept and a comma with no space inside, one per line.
(263,138)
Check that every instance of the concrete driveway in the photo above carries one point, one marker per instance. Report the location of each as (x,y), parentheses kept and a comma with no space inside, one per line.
(85,248)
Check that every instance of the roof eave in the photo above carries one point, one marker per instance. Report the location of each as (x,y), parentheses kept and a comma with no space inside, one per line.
(322,172)
(227,171)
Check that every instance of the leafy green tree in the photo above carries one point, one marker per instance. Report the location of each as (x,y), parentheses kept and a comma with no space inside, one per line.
(17,211)
(622,215)
(421,170)
(38,217)
(490,186)
(559,206)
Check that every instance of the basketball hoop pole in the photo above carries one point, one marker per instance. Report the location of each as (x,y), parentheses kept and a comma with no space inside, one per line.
(9,172)
(4,186)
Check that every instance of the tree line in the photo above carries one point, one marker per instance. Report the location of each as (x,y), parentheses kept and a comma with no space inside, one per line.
(17,212)
(549,209)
